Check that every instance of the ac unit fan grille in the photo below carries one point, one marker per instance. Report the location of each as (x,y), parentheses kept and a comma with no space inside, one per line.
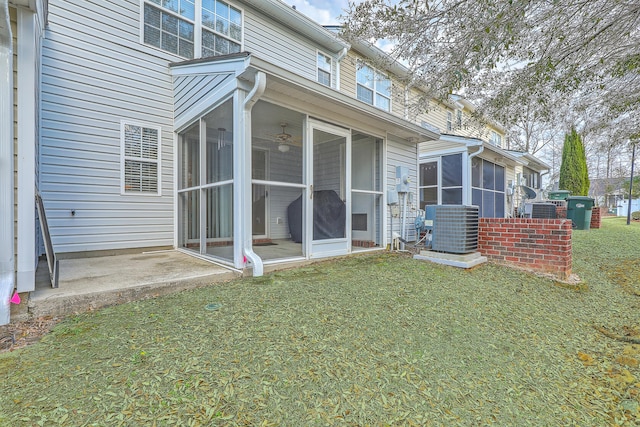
(455,228)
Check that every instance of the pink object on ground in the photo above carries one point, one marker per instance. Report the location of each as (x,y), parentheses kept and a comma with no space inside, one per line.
(15,299)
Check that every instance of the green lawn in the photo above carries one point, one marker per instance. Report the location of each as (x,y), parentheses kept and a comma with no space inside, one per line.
(367,340)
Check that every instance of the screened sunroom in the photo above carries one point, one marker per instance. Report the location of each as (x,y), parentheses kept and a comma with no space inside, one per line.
(265,176)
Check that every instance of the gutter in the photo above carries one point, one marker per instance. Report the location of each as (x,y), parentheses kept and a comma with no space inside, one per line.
(247,239)
(339,59)
(7,261)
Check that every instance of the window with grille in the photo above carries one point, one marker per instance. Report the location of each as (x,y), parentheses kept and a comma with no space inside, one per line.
(140,159)
(373,87)
(496,139)
(179,27)
(324,69)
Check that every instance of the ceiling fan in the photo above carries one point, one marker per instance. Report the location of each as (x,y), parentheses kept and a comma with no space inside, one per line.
(284,139)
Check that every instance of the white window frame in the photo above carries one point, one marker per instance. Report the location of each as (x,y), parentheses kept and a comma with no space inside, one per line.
(459,119)
(318,69)
(124,158)
(197,24)
(496,139)
(201,28)
(449,121)
(494,191)
(362,64)
(438,186)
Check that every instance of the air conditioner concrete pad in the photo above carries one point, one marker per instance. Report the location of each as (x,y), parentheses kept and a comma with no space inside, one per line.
(454,260)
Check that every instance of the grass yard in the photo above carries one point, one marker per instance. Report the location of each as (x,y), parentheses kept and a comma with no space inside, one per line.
(367,340)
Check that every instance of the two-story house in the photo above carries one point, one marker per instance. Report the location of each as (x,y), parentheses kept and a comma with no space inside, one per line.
(235,130)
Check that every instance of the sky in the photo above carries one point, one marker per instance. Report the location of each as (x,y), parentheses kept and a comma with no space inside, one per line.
(324,12)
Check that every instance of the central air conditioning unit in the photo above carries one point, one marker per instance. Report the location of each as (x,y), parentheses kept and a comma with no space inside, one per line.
(540,210)
(455,228)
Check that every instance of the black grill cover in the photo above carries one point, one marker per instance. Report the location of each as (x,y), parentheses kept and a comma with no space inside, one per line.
(329,214)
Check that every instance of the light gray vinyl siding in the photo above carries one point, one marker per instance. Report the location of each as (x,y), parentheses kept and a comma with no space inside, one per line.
(279,200)
(283,167)
(95,73)
(328,165)
(402,153)
(273,42)
(191,91)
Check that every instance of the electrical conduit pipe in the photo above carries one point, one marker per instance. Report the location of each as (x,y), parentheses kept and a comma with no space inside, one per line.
(7,267)
(247,241)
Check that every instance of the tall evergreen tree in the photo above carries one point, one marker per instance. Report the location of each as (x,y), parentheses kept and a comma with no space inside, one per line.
(574,175)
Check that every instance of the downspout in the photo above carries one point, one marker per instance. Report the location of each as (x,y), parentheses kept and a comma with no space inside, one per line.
(470,168)
(339,58)
(247,242)
(7,267)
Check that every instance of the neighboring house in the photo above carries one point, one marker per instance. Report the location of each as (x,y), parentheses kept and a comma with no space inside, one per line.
(609,192)
(528,173)
(469,165)
(22,24)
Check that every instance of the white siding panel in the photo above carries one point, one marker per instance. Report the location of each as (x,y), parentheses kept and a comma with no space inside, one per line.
(191,91)
(403,153)
(434,147)
(268,40)
(279,200)
(95,74)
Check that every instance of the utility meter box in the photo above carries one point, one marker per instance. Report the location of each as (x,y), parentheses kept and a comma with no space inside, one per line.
(402,179)
(392,197)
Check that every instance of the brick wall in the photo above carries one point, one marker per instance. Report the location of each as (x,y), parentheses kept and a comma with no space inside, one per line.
(596,216)
(536,244)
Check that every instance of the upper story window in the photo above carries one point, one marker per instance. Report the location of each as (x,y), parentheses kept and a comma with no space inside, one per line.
(171,28)
(221,28)
(373,87)
(171,25)
(496,139)
(459,119)
(449,121)
(324,69)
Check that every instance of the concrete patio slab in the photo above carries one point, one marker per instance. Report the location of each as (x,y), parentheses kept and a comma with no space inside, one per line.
(454,260)
(91,283)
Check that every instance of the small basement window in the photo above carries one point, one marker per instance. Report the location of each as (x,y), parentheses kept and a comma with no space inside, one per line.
(140,159)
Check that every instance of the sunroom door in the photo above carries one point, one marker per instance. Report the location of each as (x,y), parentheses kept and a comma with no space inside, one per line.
(329,210)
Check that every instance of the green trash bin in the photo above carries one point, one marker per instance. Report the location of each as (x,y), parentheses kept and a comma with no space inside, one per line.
(579,210)
(559,194)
